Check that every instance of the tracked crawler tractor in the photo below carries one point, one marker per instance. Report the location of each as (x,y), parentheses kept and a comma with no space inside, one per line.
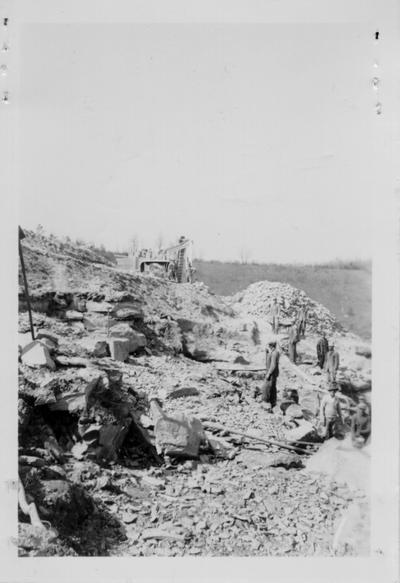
(176,261)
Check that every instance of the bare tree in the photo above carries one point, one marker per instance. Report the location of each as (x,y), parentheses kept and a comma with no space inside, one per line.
(134,244)
(244,255)
(160,241)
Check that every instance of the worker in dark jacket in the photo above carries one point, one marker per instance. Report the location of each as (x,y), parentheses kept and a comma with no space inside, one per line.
(293,340)
(322,349)
(272,373)
(332,364)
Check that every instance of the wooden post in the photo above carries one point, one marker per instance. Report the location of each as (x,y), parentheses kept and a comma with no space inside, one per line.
(21,235)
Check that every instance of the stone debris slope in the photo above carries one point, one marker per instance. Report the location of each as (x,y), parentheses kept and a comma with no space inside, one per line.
(258,297)
(113,348)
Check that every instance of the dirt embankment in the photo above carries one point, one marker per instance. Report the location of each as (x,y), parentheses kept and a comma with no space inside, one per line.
(107,344)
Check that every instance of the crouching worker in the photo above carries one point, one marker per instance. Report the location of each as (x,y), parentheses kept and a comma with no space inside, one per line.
(272,373)
(331,412)
(361,424)
(290,397)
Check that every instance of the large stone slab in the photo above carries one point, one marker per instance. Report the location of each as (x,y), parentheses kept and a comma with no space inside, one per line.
(24,340)
(119,348)
(74,316)
(305,431)
(96,347)
(178,435)
(99,307)
(137,340)
(36,354)
(111,437)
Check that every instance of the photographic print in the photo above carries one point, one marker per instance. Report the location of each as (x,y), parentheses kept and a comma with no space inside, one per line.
(195,244)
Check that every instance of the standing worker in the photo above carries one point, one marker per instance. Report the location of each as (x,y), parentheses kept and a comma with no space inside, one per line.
(322,349)
(361,423)
(332,364)
(275,312)
(293,340)
(331,412)
(301,321)
(272,373)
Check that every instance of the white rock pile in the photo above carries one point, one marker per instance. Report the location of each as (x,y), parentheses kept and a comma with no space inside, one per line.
(258,297)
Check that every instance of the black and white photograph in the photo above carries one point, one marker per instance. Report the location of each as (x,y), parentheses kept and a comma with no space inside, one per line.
(206,363)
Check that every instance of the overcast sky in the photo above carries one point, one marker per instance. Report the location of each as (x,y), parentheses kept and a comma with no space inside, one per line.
(246,138)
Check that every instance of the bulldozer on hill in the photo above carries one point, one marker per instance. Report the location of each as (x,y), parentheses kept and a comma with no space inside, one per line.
(175,261)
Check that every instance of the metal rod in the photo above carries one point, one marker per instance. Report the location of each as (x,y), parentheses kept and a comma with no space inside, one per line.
(28,301)
(216,426)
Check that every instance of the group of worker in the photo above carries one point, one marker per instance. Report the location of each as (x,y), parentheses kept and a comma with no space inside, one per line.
(331,416)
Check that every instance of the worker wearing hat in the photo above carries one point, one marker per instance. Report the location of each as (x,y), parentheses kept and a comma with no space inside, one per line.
(271,375)
(330,411)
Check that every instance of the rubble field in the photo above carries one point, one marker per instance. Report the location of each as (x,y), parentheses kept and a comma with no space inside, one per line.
(141,428)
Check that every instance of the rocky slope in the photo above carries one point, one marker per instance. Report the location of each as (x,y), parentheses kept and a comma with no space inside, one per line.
(107,344)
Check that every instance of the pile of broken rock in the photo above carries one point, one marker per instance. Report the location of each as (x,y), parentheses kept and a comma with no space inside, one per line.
(258,298)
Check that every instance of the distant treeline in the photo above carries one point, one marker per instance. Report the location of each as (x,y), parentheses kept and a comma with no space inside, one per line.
(365,265)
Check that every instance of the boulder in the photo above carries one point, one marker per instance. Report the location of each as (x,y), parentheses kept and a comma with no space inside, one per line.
(178,435)
(305,431)
(73,315)
(294,411)
(363,351)
(46,392)
(90,325)
(71,361)
(76,399)
(136,339)
(79,304)
(127,312)
(50,344)
(36,354)
(96,347)
(111,437)
(24,339)
(45,334)
(221,448)
(119,348)
(99,307)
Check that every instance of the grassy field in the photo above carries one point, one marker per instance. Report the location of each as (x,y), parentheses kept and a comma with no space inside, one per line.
(344,288)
